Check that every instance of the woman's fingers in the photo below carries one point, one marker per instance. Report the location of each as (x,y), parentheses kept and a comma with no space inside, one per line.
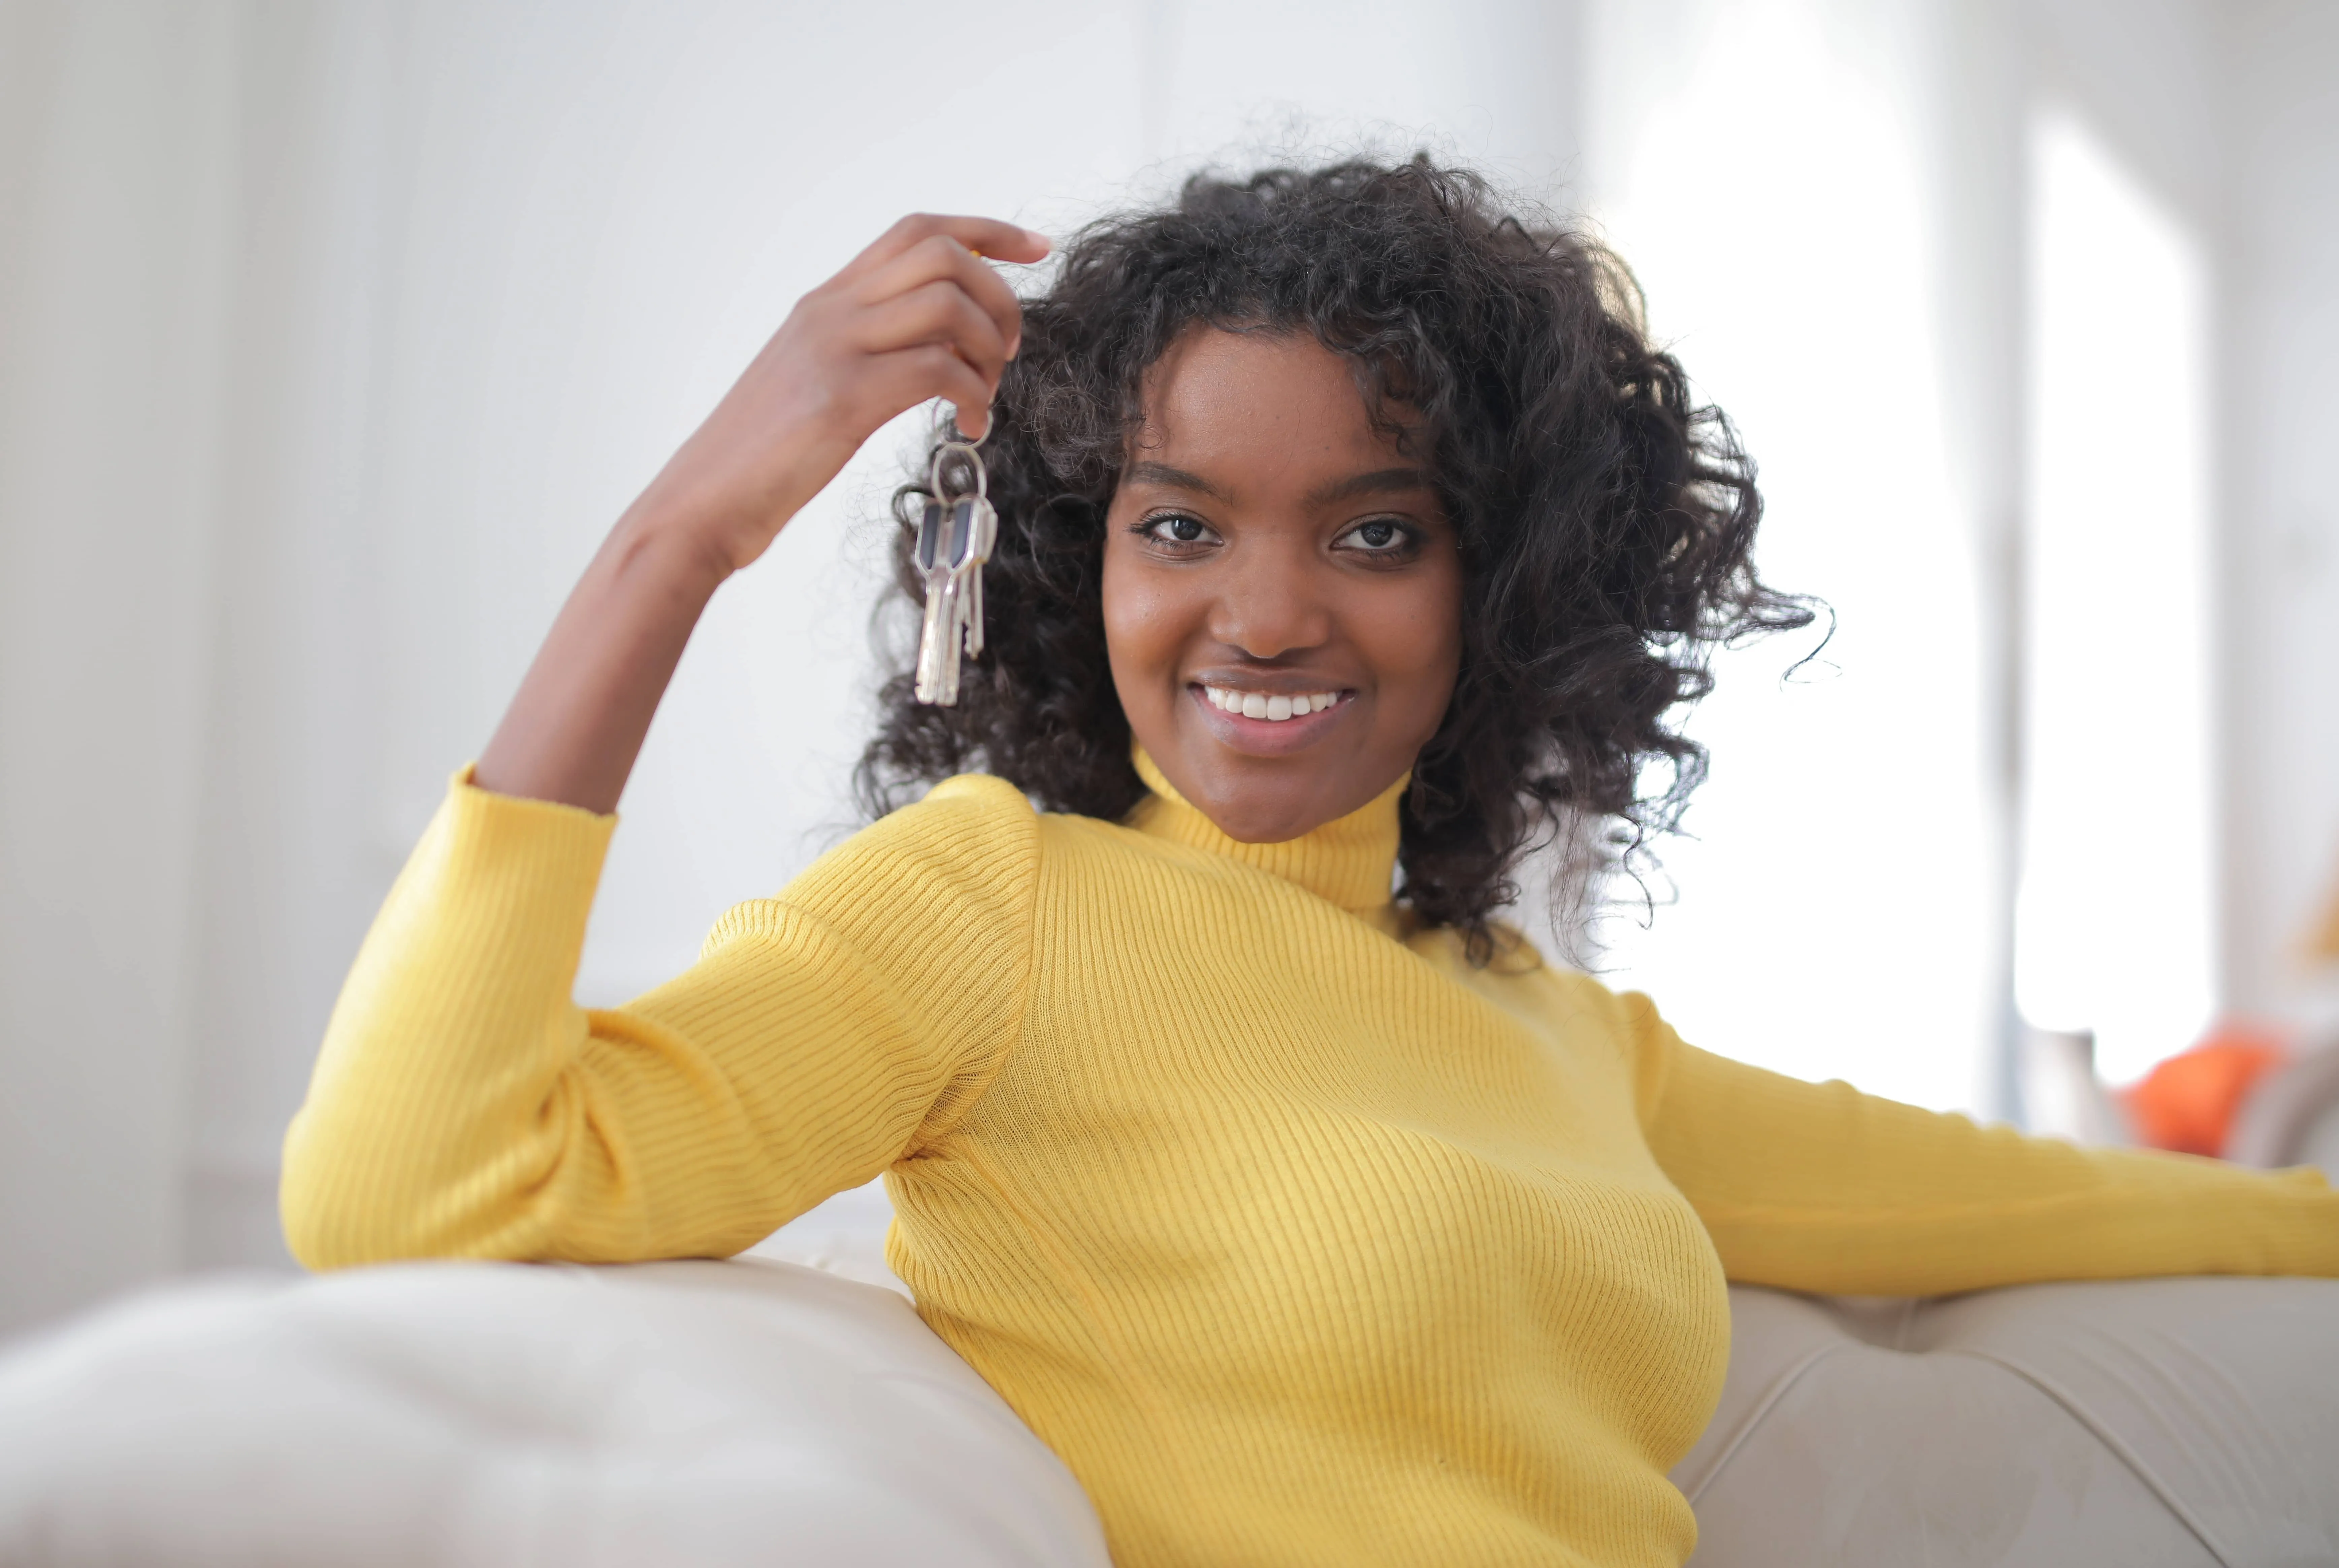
(942,258)
(908,377)
(1001,241)
(938,312)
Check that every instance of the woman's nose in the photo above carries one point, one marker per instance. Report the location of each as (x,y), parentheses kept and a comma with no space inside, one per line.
(1272,603)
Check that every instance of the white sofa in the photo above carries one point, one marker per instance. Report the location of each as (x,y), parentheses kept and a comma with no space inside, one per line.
(2145,1425)
(790,1408)
(667,1414)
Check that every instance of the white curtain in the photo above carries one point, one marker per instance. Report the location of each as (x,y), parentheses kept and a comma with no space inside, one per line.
(331,338)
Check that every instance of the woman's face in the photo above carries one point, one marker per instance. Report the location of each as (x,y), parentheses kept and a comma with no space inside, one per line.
(1282,592)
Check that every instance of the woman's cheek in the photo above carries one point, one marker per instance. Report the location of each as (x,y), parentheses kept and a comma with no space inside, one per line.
(1418,644)
(1142,637)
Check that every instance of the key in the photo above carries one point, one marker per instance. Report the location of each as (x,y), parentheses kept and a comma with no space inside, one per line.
(940,626)
(956,533)
(981,521)
(958,537)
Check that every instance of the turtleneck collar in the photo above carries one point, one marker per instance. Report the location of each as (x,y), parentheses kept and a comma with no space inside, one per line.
(1349,860)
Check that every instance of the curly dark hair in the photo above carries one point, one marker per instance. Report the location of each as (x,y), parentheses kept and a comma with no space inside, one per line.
(1604,518)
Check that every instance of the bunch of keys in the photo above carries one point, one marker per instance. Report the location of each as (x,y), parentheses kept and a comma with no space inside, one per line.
(956,532)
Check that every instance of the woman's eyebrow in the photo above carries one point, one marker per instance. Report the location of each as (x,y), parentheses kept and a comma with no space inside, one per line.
(1152,473)
(1379,482)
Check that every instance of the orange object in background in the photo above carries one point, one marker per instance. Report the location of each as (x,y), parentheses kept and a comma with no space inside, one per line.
(2188,1102)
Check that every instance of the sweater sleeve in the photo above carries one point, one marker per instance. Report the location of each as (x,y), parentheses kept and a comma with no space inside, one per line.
(1820,1188)
(463,1105)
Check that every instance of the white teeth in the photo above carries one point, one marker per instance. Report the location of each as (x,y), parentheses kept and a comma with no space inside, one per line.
(1273,709)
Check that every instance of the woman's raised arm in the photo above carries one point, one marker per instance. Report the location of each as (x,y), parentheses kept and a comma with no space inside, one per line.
(463,1104)
(916,316)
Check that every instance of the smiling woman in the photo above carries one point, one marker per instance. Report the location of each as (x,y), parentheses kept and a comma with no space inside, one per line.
(1346,528)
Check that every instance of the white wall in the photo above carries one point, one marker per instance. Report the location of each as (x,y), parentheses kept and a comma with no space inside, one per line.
(2279,225)
(118,181)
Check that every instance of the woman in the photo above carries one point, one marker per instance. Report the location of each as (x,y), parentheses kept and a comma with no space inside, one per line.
(1352,538)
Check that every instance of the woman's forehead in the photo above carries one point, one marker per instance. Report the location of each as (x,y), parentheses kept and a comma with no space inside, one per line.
(1243,398)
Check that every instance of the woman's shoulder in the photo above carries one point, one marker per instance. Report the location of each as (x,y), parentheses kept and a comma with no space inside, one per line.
(972,841)
(960,803)
(984,825)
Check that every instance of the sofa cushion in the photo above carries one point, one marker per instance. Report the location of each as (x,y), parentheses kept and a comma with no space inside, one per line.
(2138,1424)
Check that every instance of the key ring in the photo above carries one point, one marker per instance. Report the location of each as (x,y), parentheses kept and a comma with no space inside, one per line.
(958,437)
(957,440)
(973,460)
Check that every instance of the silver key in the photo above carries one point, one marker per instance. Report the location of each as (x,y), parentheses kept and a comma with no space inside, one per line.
(956,533)
(937,639)
(979,521)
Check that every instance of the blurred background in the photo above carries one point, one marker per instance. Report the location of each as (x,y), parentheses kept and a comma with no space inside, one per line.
(332,336)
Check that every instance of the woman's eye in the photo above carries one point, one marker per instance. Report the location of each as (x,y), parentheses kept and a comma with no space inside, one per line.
(1379,536)
(1176,529)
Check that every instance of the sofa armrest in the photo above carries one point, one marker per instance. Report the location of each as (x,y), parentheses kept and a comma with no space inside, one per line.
(431,1414)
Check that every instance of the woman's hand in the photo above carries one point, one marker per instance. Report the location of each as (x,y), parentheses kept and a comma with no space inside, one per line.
(919,314)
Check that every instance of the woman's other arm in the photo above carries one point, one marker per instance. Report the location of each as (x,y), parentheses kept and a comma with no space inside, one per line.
(463,1104)
(1820,1188)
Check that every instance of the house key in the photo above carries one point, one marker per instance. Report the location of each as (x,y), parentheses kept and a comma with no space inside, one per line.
(956,533)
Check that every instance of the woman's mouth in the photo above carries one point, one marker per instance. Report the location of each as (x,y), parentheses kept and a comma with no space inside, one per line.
(1271,724)
(1276,709)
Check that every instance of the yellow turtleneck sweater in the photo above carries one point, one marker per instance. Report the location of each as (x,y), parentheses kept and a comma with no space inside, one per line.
(1299,1240)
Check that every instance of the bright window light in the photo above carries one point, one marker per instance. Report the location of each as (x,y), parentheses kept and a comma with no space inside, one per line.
(2114,922)
(1829,917)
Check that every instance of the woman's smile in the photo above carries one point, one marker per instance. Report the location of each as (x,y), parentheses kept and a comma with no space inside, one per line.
(1269,721)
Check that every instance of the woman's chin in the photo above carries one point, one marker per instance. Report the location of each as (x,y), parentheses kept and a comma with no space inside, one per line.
(1271,798)
(1259,816)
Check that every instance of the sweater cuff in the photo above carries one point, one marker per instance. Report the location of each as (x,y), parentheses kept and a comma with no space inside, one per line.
(533,866)
(465,782)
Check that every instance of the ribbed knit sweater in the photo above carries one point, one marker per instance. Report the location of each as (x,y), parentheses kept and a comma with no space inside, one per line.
(1301,1240)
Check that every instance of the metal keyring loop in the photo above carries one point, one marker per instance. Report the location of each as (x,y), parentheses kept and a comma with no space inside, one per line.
(960,439)
(974,459)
